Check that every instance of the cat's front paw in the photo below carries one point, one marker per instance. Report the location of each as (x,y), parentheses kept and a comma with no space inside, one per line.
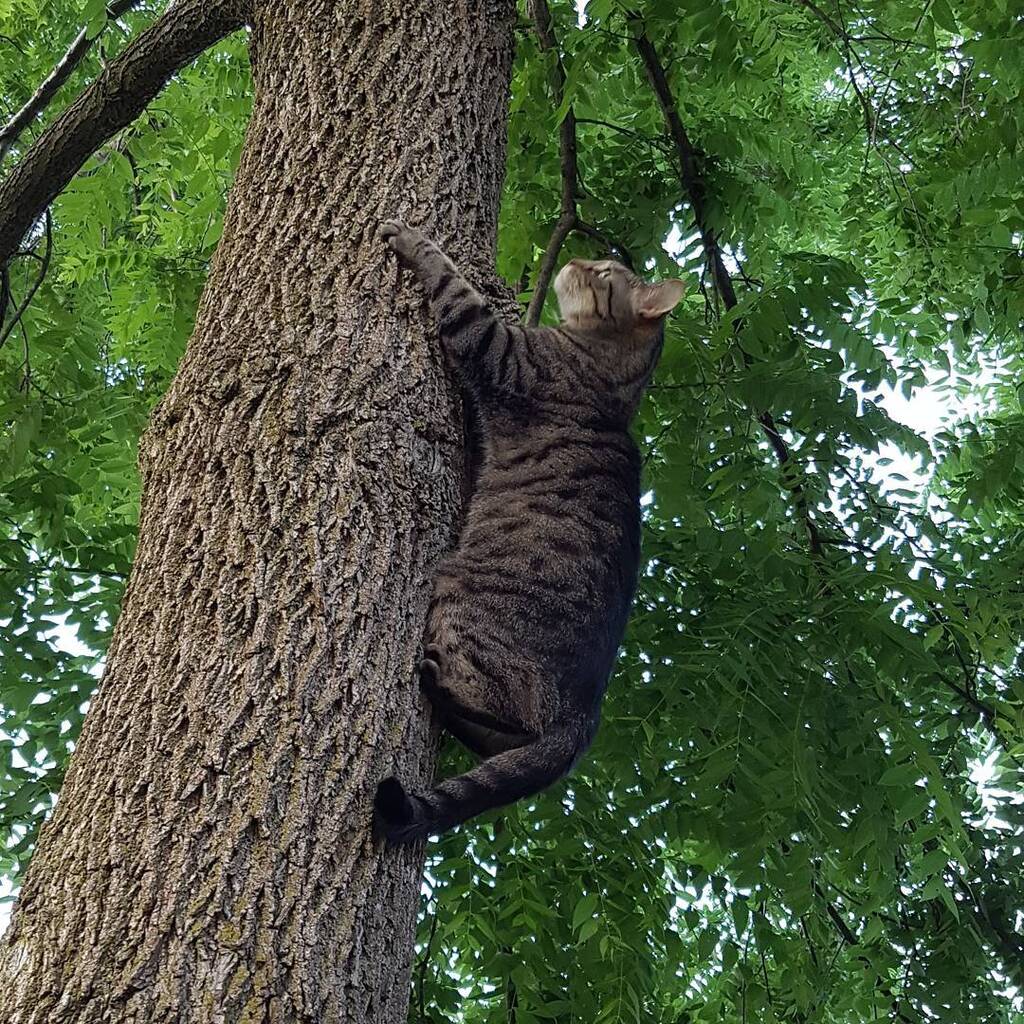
(400,238)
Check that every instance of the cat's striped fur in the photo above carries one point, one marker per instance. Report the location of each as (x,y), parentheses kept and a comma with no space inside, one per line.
(529,609)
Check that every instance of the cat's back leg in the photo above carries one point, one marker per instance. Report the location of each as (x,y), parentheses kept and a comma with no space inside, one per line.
(455,689)
(467,673)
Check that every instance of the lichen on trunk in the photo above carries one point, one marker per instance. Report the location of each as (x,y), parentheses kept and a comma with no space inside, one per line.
(211,857)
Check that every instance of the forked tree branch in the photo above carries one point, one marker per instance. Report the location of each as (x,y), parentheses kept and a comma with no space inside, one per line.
(61,72)
(109,104)
(568,216)
(567,159)
(44,266)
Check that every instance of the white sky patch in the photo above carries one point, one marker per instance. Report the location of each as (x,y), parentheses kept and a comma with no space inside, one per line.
(930,408)
(6,889)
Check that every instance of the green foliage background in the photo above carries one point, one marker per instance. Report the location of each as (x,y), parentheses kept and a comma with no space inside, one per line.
(805,802)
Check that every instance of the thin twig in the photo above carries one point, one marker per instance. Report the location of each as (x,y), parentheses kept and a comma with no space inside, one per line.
(986,712)
(26,366)
(12,42)
(896,66)
(878,36)
(1007,942)
(424,963)
(628,132)
(567,159)
(873,114)
(43,268)
(807,939)
(5,291)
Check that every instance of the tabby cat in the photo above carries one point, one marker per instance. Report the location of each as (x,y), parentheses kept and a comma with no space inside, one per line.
(529,609)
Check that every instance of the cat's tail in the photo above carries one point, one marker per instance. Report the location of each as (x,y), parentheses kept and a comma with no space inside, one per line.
(403,817)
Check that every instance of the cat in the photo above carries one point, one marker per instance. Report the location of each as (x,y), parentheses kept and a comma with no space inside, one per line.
(529,609)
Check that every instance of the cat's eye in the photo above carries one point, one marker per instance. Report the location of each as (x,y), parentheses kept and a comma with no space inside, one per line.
(604,274)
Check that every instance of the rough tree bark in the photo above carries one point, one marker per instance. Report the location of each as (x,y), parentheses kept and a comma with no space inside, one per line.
(211,858)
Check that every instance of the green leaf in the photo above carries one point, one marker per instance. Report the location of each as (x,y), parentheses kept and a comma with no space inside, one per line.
(943,15)
(584,911)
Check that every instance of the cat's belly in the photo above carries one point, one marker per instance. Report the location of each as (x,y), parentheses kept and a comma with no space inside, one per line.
(543,575)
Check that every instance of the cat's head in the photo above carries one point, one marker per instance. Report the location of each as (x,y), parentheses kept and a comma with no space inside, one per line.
(602,295)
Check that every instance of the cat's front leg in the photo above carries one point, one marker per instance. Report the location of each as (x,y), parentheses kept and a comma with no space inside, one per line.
(477,339)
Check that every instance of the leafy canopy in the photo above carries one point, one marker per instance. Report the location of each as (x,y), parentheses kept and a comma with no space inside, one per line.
(805,800)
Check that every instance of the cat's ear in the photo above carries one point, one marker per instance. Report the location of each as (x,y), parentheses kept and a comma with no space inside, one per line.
(653,301)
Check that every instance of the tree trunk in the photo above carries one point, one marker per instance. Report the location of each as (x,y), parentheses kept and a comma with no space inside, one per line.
(211,857)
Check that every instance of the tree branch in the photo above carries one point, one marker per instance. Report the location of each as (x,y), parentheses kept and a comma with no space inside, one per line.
(563,226)
(61,72)
(850,939)
(689,161)
(113,101)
